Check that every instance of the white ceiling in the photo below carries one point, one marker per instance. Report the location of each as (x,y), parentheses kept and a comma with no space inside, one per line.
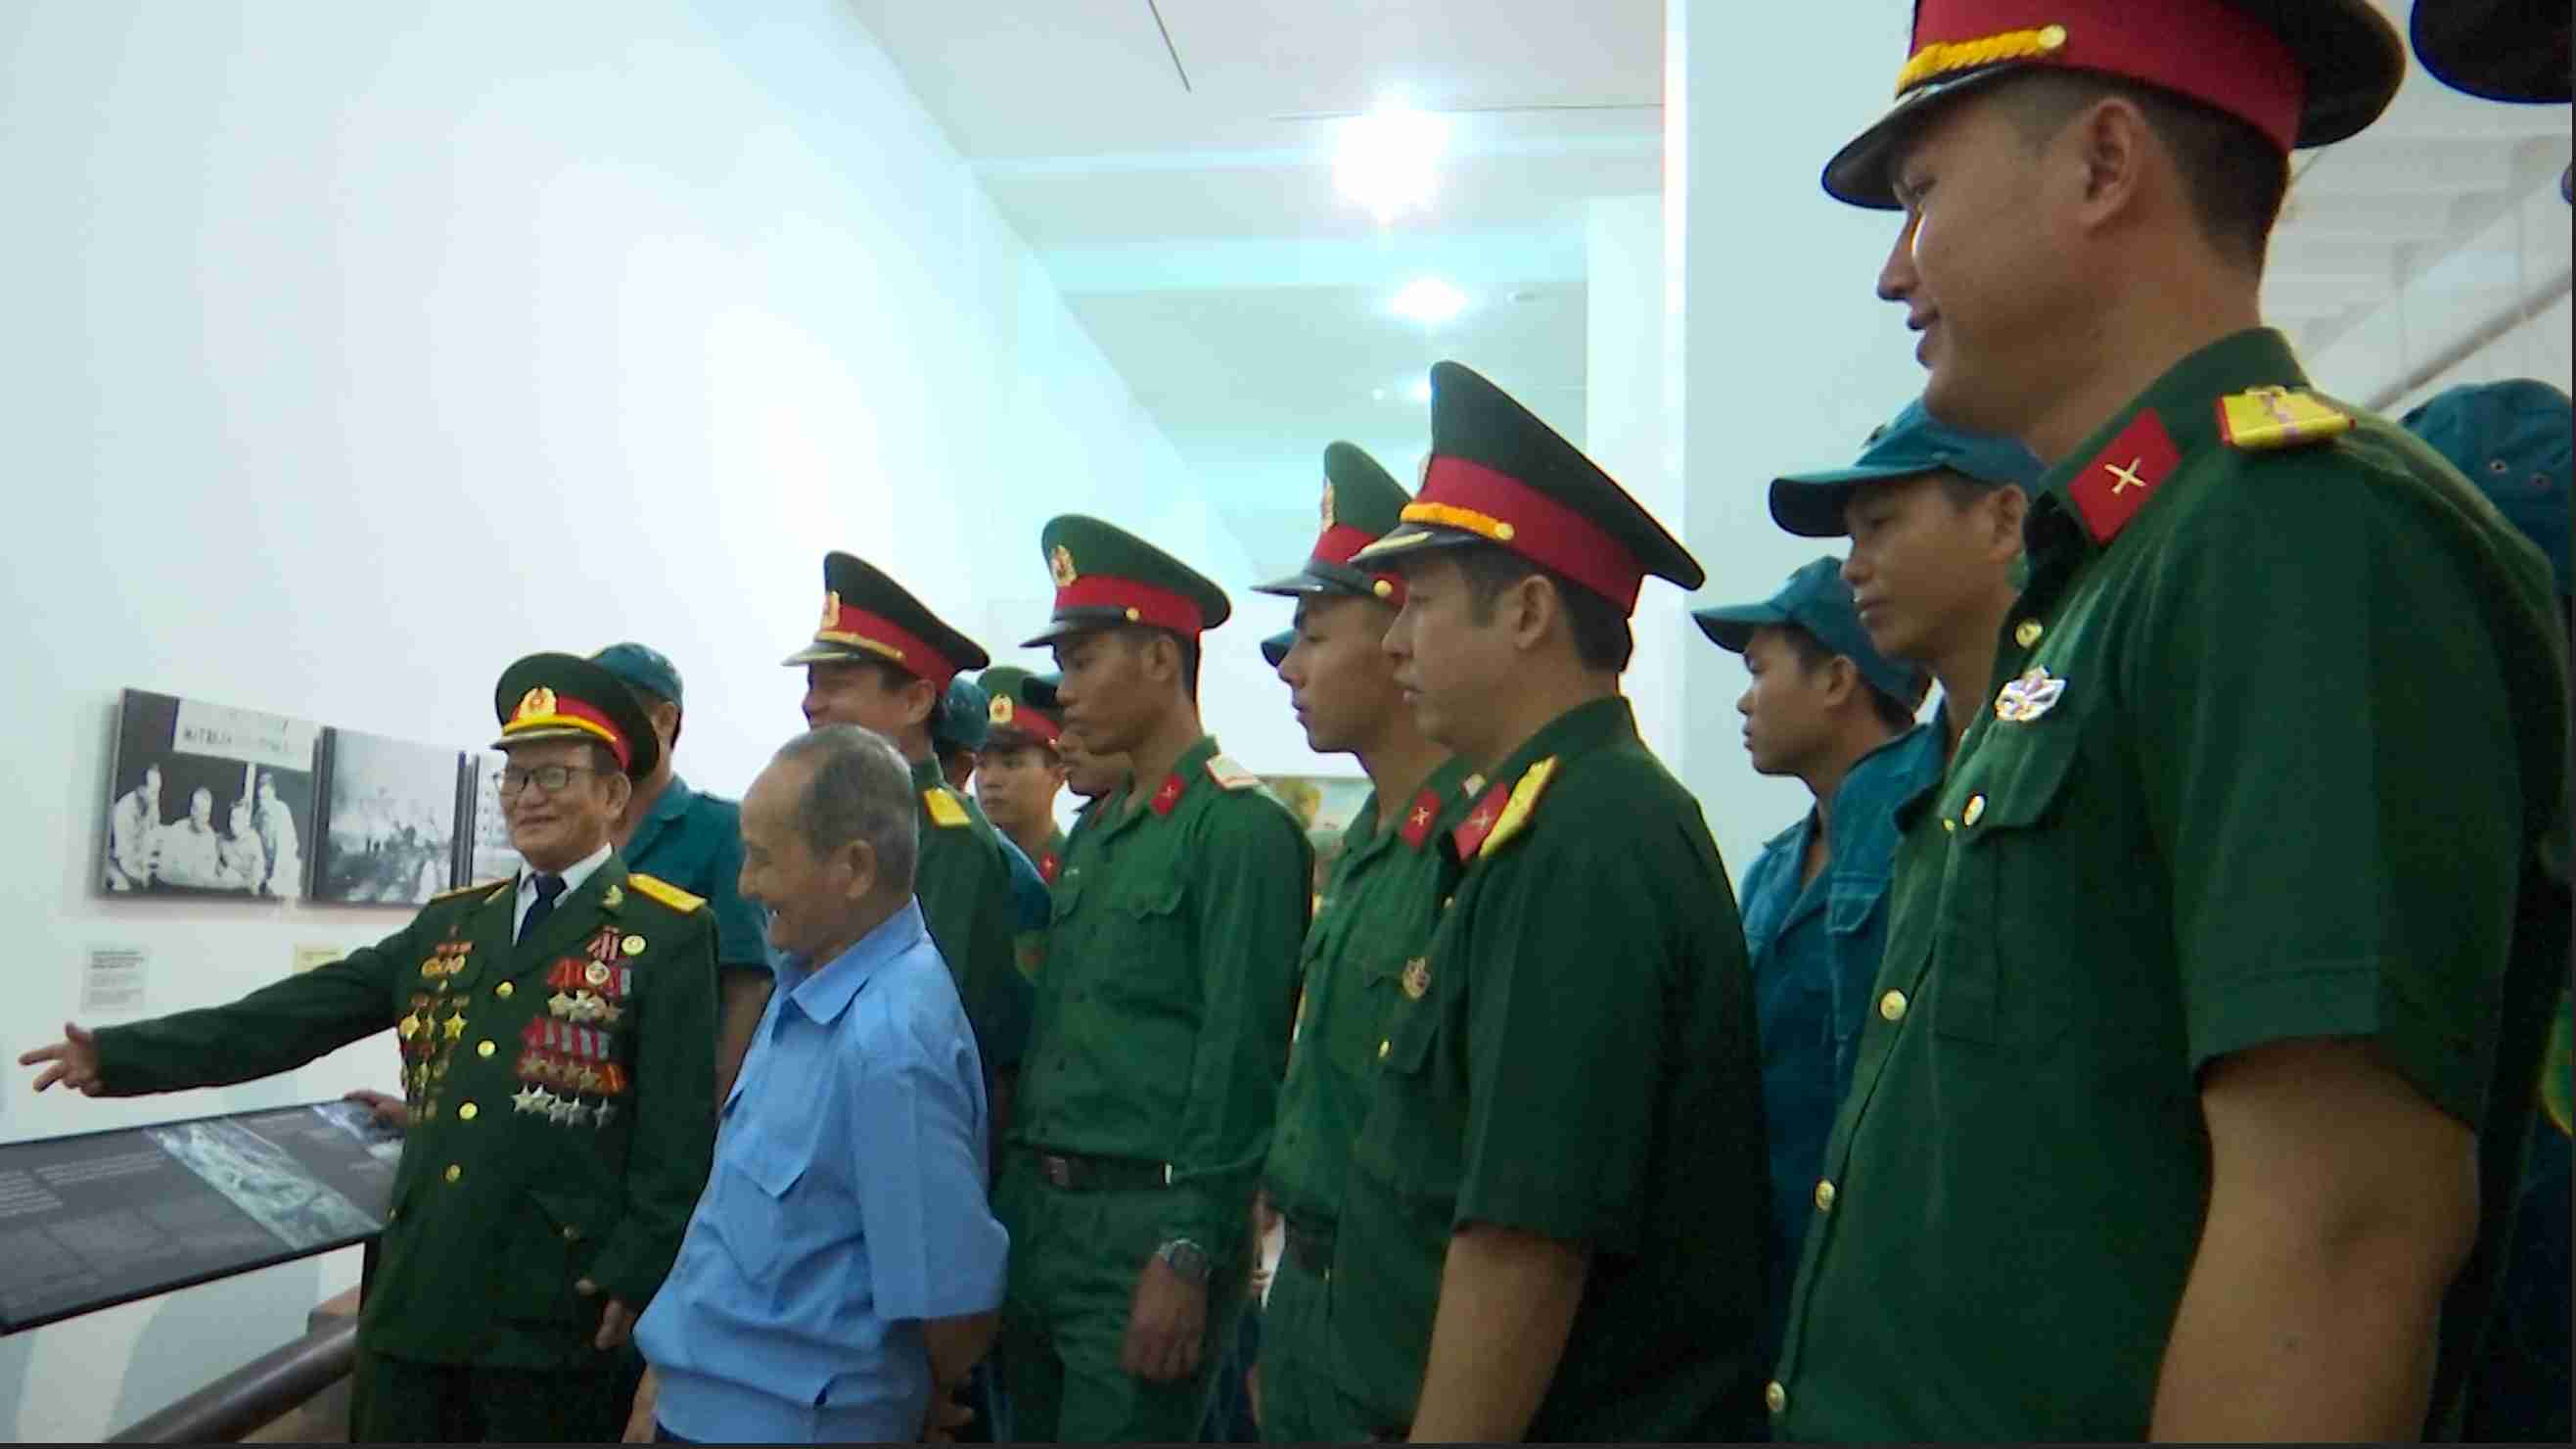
(1193,226)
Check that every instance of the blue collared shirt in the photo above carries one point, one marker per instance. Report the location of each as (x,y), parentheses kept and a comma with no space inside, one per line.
(846,1207)
(1815,947)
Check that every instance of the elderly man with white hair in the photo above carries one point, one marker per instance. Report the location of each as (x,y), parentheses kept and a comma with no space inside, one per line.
(842,1271)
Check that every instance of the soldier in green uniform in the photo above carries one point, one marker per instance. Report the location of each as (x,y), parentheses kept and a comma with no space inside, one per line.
(1019,771)
(2217,966)
(1161,1027)
(693,840)
(557,1033)
(1553,1225)
(881,660)
(1363,953)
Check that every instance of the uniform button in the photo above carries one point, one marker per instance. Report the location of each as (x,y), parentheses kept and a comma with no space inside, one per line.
(1825,1196)
(572,1235)
(1445,901)
(2027,632)
(1949,825)
(1892,1006)
(454,1172)
(468,1112)
(1976,810)
(1774,1397)
(504,990)
(485,1050)
(1383,1048)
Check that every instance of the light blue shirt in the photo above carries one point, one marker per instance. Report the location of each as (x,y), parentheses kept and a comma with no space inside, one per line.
(846,1207)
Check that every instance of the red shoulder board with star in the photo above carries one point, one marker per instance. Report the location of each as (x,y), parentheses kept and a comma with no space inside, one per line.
(2111,488)
(1419,817)
(1050,865)
(1170,795)
(1470,835)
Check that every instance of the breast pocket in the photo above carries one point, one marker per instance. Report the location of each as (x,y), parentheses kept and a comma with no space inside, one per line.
(757,1181)
(1413,1139)
(2004,969)
(1155,976)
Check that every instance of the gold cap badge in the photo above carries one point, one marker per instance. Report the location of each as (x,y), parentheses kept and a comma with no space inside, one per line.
(1328,503)
(831,610)
(535,703)
(1000,713)
(1060,564)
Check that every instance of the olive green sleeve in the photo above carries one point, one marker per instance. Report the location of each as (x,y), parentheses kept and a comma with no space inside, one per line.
(277,1028)
(1250,881)
(673,1142)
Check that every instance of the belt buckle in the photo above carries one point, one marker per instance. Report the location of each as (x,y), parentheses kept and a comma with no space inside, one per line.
(1059,1171)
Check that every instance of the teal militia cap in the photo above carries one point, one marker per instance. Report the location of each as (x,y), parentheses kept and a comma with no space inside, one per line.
(1909,445)
(642,667)
(1817,600)
(1106,577)
(867,615)
(1362,504)
(2513,440)
(1499,476)
(1275,648)
(965,716)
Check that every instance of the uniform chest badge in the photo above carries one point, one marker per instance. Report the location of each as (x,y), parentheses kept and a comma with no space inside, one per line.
(631,946)
(1417,978)
(2025,699)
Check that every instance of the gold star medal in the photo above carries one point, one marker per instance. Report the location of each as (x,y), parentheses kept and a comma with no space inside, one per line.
(613,897)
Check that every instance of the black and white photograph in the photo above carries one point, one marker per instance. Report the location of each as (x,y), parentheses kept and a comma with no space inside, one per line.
(488,855)
(206,799)
(388,834)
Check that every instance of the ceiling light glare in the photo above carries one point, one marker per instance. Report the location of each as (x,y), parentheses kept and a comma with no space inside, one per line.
(1387,158)
(1429,301)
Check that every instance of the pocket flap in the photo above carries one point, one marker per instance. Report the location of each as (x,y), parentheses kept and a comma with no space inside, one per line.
(2027,767)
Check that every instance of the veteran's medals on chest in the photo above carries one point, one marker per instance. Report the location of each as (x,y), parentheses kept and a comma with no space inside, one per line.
(570,1054)
(432,1023)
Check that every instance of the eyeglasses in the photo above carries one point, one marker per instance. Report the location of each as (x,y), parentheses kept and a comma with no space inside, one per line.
(549,778)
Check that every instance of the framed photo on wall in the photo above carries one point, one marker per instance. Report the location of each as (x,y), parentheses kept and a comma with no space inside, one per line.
(205,799)
(1326,805)
(484,835)
(388,828)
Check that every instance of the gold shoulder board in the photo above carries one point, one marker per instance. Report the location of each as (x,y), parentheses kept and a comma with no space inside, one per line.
(1232,776)
(480,887)
(943,807)
(667,893)
(2262,419)
(1516,811)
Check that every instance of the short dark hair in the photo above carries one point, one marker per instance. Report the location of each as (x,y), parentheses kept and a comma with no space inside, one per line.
(603,759)
(1601,637)
(1812,655)
(2234,175)
(1005,740)
(1140,635)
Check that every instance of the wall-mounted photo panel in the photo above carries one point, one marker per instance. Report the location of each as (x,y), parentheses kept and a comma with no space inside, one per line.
(486,831)
(388,832)
(205,799)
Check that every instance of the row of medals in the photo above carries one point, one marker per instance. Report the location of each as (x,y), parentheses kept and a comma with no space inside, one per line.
(578,999)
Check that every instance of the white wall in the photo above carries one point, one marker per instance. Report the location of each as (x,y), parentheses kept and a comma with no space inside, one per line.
(354,350)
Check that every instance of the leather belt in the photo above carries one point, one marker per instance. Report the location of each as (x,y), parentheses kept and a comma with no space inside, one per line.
(1074,1172)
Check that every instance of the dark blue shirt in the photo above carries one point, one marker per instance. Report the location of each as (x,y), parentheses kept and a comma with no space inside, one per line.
(1815,947)
(694,842)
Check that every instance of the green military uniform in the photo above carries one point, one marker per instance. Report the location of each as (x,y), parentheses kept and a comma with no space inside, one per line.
(1017,706)
(1574,1056)
(2101,899)
(961,877)
(1161,1031)
(2277,754)
(562,1093)
(1363,955)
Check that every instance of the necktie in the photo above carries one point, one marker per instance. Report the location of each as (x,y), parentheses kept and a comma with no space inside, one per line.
(548,887)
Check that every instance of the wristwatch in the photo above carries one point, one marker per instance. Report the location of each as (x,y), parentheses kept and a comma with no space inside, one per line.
(1185,1258)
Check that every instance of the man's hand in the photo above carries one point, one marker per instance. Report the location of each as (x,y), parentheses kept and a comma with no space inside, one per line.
(389,1111)
(1164,1325)
(73,1061)
(614,1320)
(639,1421)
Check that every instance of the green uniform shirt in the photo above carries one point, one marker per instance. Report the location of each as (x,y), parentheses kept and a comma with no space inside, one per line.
(1162,1011)
(2290,762)
(694,841)
(964,885)
(1375,919)
(506,1195)
(1580,1065)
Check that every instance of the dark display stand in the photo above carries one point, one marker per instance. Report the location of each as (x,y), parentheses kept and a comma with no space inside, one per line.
(102,1218)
